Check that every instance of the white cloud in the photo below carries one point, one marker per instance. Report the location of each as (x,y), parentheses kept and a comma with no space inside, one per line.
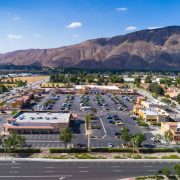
(37,35)
(13,36)
(74,25)
(130,28)
(16,18)
(154,27)
(121,9)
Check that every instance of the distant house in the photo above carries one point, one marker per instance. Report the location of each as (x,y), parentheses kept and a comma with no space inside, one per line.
(172,92)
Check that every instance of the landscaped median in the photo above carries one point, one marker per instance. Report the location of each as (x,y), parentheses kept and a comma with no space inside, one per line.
(95,153)
(109,150)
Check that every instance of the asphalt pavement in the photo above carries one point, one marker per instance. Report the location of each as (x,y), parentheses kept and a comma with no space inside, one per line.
(80,169)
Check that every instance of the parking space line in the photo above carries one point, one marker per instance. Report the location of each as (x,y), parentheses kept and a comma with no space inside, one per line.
(48,171)
(37,145)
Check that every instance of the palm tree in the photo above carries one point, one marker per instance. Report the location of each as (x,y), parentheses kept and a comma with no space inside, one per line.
(88,120)
(168,135)
(66,136)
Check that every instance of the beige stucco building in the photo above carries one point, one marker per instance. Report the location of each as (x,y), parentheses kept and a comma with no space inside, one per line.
(37,122)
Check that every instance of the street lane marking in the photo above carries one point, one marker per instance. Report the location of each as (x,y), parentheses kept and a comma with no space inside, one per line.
(13,167)
(148,166)
(82,167)
(50,167)
(117,170)
(8,164)
(49,171)
(47,176)
(115,166)
(13,171)
(83,171)
(151,170)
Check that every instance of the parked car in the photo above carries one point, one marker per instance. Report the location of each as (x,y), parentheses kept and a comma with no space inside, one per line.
(110,145)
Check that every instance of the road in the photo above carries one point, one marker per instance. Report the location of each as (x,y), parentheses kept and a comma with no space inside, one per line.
(80,169)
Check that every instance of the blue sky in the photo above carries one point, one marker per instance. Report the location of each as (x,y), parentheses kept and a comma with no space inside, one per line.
(53,23)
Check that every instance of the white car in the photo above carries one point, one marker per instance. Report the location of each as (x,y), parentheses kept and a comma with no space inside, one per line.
(110,145)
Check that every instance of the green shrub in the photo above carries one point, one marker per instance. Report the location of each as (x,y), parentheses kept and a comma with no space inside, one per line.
(171,157)
(69,150)
(21,151)
(85,156)
(178,150)
(155,150)
(109,150)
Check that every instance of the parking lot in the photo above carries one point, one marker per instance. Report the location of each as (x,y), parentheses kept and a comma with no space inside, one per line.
(112,112)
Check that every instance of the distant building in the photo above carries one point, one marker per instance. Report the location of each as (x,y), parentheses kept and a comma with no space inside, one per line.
(102,89)
(174,127)
(172,92)
(37,122)
(153,115)
(153,104)
(150,111)
(18,102)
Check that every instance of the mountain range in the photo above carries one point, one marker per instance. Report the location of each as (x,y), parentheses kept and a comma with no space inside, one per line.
(151,49)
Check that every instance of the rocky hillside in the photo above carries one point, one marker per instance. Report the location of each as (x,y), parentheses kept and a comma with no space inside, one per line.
(146,49)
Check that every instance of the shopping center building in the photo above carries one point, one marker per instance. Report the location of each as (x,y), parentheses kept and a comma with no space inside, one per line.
(37,122)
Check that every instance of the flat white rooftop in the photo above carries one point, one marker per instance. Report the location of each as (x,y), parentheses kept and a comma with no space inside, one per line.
(42,117)
(77,87)
(154,112)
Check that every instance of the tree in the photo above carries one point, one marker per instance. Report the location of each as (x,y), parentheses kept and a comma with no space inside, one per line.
(14,141)
(177,169)
(166,100)
(88,120)
(138,139)
(157,89)
(168,135)
(14,111)
(137,81)
(166,171)
(20,83)
(178,98)
(166,81)
(66,136)
(3,88)
(148,79)
(126,136)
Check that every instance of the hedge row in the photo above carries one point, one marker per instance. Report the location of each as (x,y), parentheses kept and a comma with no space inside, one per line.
(71,150)
(28,151)
(128,150)
(109,150)
(85,150)
(156,150)
(178,150)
